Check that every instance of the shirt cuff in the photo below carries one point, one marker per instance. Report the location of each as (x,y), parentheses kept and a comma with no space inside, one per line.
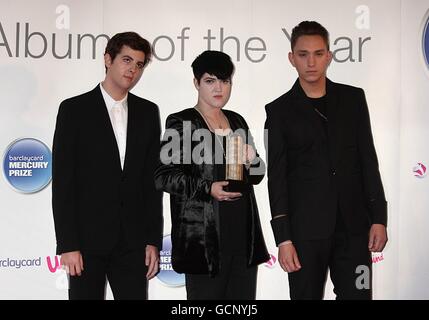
(284,243)
(281,229)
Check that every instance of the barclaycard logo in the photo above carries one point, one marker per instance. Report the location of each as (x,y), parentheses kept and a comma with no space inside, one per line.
(425,39)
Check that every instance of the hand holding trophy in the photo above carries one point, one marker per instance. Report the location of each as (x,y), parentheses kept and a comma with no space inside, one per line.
(237,154)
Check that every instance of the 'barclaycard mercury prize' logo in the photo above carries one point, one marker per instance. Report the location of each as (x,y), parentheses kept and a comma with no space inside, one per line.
(27,165)
(166,273)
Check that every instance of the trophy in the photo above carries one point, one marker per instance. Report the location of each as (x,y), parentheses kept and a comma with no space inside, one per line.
(235,164)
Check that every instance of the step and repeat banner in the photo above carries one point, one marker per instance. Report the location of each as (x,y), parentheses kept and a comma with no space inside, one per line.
(51,50)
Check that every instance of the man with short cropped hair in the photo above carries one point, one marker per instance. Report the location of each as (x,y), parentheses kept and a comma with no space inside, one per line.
(326,196)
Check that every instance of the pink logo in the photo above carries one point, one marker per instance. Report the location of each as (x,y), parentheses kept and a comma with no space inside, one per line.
(271,263)
(377,257)
(419,170)
(52,268)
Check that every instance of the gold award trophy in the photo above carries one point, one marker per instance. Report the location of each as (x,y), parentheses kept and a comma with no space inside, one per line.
(235,164)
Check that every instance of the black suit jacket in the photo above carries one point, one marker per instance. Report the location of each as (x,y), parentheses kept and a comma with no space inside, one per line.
(92,197)
(311,175)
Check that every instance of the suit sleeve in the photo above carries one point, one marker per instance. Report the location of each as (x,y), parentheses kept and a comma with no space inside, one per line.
(171,175)
(64,180)
(276,150)
(153,196)
(373,188)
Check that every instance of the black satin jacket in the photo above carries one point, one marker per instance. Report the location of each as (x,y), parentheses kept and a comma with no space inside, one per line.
(194,212)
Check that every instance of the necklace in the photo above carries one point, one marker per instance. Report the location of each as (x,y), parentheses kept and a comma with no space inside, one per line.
(207,120)
(214,130)
(321,114)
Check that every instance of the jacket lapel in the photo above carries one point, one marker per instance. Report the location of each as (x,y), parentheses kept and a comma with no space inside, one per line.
(332,101)
(105,125)
(131,129)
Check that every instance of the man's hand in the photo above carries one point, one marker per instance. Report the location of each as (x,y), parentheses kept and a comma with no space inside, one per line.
(288,258)
(377,238)
(219,194)
(73,263)
(152,261)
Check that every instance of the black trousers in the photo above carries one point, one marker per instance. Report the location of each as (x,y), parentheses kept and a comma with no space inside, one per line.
(235,281)
(348,259)
(124,268)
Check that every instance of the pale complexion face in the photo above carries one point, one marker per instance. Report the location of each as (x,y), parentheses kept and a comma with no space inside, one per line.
(213,92)
(126,69)
(311,58)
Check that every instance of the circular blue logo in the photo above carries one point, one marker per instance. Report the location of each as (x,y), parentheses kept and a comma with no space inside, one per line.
(426,40)
(27,165)
(166,274)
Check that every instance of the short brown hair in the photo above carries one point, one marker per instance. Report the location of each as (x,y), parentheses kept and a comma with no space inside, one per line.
(309,28)
(132,40)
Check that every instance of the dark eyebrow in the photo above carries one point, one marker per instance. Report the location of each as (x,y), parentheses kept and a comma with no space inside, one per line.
(127,56)
(316,51)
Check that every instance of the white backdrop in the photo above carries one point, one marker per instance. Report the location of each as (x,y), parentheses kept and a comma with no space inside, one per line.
(377,45)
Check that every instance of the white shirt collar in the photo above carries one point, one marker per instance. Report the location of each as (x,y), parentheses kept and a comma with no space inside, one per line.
(110,102)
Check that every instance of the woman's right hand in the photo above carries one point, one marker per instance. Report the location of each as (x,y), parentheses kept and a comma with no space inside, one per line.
(219,194)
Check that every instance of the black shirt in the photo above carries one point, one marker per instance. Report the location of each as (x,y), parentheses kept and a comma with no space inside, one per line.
(233,215)
(320,107)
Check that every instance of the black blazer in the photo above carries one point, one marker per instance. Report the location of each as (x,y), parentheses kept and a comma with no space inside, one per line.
(92,197)
(194,212)
(309,179)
